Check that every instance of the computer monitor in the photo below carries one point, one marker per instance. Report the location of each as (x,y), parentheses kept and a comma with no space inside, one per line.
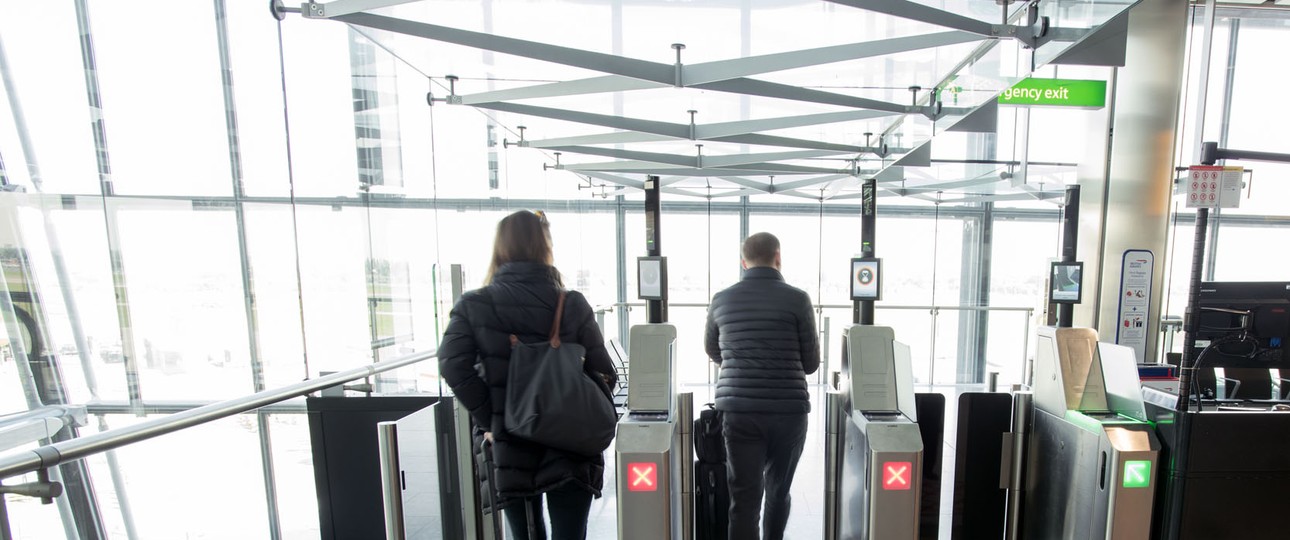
(651,278)
(866,278)
(1064,282)
(1257,310)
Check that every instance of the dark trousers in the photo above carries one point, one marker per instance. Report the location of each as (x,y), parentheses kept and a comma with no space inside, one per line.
(569,506)
(762,451)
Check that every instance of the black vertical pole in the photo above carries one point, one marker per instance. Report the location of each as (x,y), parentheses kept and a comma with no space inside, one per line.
(1172,519)
(655,310)
(862,310)
(1070,239)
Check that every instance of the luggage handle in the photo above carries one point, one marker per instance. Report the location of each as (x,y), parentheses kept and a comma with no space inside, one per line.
(486,449)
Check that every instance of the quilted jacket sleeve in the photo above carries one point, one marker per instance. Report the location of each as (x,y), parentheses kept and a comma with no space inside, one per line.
(807,336)
(589,336)
(712,335)
(458,354)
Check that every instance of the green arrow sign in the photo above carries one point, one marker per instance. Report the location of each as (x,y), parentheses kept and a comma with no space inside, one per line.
(1137,473)
(1056,92)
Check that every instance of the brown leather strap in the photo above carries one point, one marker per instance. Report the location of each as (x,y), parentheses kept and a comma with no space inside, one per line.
(555,325)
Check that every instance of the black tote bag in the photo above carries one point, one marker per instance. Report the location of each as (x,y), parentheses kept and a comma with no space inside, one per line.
(552,401)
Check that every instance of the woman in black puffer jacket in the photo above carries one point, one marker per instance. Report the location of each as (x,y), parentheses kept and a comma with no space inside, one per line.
(520,296)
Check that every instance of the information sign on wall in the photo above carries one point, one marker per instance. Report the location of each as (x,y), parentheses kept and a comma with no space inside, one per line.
(1137,268)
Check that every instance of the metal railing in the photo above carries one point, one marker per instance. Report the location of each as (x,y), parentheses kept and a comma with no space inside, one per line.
(934,311)
(604,308)
(38,424)
(52,455)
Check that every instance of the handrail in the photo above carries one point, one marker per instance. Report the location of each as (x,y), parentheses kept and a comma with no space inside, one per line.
(148,408)
(52,455)
(935,308)
(610,307)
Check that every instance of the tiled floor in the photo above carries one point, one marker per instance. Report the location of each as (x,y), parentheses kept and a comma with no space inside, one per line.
(807,519)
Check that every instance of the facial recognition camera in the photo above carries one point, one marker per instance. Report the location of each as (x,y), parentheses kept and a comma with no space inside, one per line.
(1064,282)
(651,278)
(866,278)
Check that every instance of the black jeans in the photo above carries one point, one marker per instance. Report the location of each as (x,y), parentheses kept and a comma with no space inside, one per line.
(762,451)
(570,505)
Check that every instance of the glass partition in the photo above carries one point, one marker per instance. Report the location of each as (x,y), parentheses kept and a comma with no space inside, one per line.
(229,476)
(282,201)
(46,81)
(165,139)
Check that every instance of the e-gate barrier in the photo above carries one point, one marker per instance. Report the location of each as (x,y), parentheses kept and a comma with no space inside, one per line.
(654,455)
(1078,459)
(1092,457)
(875,459)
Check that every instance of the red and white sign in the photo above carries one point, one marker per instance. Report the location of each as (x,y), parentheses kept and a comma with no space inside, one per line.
(897,475)
(1214,186)
(642,477)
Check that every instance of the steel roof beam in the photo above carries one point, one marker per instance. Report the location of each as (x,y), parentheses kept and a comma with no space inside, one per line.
(617,137)
(667,129)
(645,168)
(746,182)
(721,70)
(604,63)
(743,127)
(923,13)
(808,182)
(593,85)
(724,131)
(754,87)
(724,70)
(615,179)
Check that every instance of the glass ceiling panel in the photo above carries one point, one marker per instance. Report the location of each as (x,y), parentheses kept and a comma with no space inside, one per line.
(612,123)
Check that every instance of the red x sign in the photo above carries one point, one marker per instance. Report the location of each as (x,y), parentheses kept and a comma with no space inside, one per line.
(642,477)
(896,475)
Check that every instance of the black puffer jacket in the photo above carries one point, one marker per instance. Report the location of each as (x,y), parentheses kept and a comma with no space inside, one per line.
(475,355)
(762,332)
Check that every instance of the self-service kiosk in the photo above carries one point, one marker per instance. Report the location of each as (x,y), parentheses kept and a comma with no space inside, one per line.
(875,460)
(1092,459)
(654,456)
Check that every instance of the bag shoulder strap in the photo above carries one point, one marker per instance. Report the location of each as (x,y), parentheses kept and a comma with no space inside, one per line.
(555,325)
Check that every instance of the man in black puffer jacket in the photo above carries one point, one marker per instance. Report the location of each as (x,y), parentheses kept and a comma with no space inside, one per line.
(762,333)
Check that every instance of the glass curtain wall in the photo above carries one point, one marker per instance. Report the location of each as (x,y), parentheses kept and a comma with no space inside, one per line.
(1240,240)
(255,203)
(233,211)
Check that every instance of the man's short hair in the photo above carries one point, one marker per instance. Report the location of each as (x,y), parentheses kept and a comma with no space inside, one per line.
(760,249)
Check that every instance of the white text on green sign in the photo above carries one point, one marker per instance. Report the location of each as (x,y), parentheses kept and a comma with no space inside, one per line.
(1056,92)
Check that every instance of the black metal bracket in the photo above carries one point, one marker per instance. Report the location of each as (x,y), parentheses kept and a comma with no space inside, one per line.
(280,10)
(43,488)
(520,143)
(557,165)
(452,98)
(1034,33)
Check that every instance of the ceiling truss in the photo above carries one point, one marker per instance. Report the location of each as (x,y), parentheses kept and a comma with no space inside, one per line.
(814,168)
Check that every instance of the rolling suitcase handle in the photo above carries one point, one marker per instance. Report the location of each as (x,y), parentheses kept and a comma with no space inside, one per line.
(487,450)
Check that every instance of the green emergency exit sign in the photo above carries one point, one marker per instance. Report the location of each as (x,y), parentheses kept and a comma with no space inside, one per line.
(1137,473)
(1056,92)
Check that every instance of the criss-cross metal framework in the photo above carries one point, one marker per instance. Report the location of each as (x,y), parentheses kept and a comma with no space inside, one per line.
(746,157)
